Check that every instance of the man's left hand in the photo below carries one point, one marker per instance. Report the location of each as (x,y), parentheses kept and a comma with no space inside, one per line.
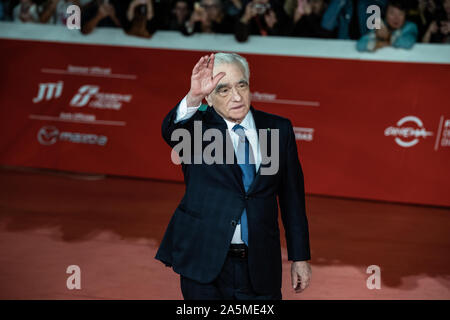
(300,275)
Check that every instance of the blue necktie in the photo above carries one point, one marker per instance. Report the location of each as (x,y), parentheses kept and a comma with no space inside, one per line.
(245,160)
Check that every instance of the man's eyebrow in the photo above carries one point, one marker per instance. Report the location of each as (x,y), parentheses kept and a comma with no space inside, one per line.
(226,85)
(222,85)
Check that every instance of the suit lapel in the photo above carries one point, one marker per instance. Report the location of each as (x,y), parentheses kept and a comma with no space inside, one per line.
(260,123)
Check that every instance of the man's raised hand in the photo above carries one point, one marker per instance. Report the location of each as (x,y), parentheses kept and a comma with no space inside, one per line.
(202,80)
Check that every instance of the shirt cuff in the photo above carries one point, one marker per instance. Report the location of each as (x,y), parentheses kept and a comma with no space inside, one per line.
(184,112)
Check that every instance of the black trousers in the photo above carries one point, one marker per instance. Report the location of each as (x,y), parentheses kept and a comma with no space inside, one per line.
(233,283)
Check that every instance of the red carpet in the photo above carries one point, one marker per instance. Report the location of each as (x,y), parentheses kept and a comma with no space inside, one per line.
(110,227)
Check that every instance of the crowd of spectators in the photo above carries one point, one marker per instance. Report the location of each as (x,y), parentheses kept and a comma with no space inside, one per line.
(402,23)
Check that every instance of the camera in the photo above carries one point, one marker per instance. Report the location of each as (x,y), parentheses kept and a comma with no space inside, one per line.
(261,8)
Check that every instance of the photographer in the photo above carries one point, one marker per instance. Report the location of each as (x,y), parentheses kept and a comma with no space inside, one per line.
(439,29)
(422,14)
(55,11)
(140,19)
(179,14)
(102,13)
(209,17)
(347,19)
(395,31)
(307,16)
(25,11)
(262,17)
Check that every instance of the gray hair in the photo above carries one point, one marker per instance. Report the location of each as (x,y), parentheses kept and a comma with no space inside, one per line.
(222,57)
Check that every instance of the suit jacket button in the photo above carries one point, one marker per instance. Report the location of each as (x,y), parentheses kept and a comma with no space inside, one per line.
(233,223)
(247,197)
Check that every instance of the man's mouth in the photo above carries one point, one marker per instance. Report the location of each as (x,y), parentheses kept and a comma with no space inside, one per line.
(237,107)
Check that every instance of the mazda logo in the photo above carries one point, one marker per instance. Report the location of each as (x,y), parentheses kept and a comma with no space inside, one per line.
(48,135)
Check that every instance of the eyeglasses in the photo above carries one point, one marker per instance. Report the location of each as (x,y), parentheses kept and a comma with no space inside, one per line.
(225,91)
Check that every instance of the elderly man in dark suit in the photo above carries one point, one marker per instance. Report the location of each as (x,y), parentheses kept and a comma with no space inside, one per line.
(223,238)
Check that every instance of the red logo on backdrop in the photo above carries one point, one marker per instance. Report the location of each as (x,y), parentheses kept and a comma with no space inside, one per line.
(304,134)
(408,135)
(47,135)
(101,100)
(49,91)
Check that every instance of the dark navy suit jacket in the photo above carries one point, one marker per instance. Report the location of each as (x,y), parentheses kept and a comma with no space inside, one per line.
(199,234)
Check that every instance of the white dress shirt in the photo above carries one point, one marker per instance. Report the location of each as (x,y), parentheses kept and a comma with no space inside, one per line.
(184,112)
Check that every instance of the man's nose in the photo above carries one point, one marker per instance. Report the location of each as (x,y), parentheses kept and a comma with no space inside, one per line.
(236,95)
